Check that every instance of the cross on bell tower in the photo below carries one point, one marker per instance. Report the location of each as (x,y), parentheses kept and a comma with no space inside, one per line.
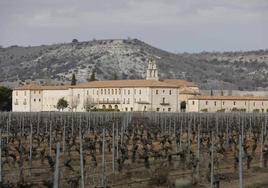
(152,72)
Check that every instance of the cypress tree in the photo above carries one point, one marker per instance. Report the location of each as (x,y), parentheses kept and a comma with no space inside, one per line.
(73,82)
(93,76)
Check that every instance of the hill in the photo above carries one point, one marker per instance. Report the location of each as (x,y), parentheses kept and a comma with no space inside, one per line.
(127,58)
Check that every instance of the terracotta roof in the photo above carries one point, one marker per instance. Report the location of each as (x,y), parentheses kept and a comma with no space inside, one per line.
(41,87)
(113,83)
(124,83)
(228,98)
(180,83)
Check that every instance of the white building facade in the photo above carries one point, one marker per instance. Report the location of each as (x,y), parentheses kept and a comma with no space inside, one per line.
(151,94)
(227,104)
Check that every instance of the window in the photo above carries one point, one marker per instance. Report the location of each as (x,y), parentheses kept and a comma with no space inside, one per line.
(16,93)
(193,102)
(140,91)
(39,100)
(215,103)
(78,96)
(34,100)
(108,91)
(128,92)
(112,91)
(126,109)
(116,91)
(101,91)
(169,92)
(124,101)
(223,103)
(156,92)
(157,109)
(234,103)
(93,91)
(39,92)
(131,109)
(128,101)
(169,109)
(34,92)
(245,103)
(124,91)
(262,103)
(24,93)
(254,104)
(206,102)
(87,92)
(163,91)
(163,109)
(104,91)
(119,91)
(163,100)
(134,91)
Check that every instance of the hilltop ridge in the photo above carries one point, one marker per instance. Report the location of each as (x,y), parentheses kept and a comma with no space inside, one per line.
(127,58)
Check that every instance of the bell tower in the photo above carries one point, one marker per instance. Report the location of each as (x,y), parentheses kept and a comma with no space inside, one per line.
(152,72)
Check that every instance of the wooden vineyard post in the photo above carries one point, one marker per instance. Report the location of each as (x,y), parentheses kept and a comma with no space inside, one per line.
(0,156)
(261,149)
(198,149)
(103,182)
(50,135)
(240,162)
(63,137)
(81,156)
(30,156)
(117,142)
(113,154)
(72,124)
(227,132)
(181,134)
(212,162)
(56,170)
(38,124)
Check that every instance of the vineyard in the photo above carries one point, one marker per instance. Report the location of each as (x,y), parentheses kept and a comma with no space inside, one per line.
(133,150)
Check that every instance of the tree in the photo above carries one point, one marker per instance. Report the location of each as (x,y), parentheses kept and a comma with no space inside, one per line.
(211,93)
(115,77)
(92,76)
(73,82)
(222,93)
(62,104)
(5,99)
(74,41)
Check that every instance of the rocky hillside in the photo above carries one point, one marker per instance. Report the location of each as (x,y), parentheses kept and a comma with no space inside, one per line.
(127,58)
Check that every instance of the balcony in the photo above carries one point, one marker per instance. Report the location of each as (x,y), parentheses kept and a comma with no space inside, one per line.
(109,102)
(143,102)
(164,103)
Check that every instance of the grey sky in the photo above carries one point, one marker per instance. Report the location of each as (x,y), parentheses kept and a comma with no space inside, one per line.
(174,25)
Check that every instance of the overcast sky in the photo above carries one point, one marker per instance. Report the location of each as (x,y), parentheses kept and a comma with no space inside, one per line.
(173,25)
